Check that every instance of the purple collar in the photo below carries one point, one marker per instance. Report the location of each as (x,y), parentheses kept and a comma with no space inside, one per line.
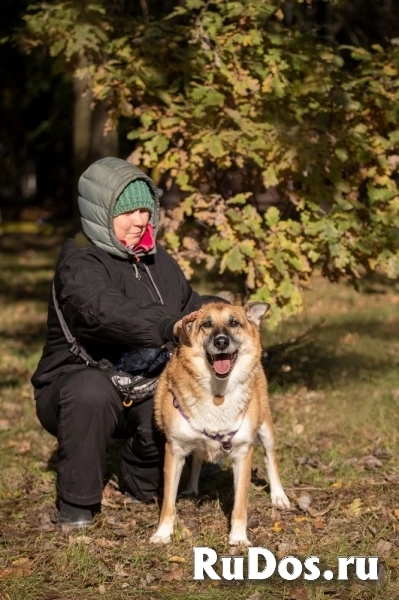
(218,437)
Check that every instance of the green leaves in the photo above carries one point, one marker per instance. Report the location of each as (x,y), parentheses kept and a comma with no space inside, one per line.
(289,151)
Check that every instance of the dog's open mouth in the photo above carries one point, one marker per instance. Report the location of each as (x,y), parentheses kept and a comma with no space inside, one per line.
(222,363)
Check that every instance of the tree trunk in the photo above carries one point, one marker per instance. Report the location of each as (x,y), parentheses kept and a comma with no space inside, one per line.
(92,140)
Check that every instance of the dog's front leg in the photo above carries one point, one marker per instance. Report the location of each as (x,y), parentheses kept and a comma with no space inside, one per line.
(277,494)
(172,471)
(242,480)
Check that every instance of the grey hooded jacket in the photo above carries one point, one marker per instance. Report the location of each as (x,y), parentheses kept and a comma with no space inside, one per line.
(112,300)
(99,188)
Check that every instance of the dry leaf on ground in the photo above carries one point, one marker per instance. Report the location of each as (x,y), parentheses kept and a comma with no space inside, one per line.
(304,502)
(175,574)
(370,462)
(320,513)
(355,508)
(383,548)
(299,593)
(177,559)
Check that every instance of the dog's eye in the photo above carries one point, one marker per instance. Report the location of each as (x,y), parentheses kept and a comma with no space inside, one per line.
(234,323)
(207,324)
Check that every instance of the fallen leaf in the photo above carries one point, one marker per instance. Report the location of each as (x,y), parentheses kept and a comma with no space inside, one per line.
(20,561)
(21,446)
(370,462)
(299,593)
(372,529)
(177,559)
(108,504)
(283,550)
(355,507)
(104,543)
(157,574)
(304,502)
(53,595)
(381,574)
(119,570)
(122,573)
(5,572)
(392,478)
(186,533)
(320,513)
(80,539)
(277,527)
(381,452)
(21,567)
(315,463)
(254,596)
(395,395)
(299,428)
(101,589)
(175,574)
(383,548)
(253,521)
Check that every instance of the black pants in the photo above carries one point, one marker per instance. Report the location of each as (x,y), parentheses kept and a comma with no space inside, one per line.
(84,410)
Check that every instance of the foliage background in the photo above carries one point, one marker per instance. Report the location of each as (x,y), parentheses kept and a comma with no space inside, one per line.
(271,127)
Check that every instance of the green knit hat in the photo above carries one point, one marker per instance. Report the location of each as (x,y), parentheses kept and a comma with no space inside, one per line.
(136,195)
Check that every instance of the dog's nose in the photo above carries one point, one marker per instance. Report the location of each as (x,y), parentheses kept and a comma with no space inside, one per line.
(221,341)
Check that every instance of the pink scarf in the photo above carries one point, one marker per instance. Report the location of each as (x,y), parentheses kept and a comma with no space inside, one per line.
(146,243)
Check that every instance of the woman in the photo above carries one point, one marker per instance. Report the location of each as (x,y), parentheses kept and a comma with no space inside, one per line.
(117,290)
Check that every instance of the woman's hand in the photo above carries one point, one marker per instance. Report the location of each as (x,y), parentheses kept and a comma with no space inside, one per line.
(179,328)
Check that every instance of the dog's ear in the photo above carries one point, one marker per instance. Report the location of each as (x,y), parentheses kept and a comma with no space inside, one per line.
(186,330)
(188,327)
(255,311)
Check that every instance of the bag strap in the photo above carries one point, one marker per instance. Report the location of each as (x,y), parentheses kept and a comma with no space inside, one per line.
(74,345)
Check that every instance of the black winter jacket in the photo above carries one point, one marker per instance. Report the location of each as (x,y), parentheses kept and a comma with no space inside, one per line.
(109,309)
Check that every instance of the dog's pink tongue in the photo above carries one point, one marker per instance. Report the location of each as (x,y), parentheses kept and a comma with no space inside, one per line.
(221,365)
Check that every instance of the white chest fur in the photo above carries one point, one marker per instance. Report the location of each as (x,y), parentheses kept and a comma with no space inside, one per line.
(212,431)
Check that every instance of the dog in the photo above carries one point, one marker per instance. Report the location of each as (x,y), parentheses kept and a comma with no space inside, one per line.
(211,401)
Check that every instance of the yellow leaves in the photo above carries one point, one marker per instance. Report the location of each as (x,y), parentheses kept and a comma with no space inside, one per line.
(270,176)
(390,70)
(301,519)
(21,567)
(267,84)
(337,484)
(257,101)
(355,508)
(177,559)
(277,527)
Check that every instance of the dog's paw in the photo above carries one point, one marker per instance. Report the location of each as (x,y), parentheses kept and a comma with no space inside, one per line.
(160,539)
(280,500)
(239,541)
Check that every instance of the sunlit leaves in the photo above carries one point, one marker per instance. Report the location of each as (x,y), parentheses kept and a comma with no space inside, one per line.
(226,87)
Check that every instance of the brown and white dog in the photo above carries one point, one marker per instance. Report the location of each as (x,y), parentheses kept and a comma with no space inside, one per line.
(211,401)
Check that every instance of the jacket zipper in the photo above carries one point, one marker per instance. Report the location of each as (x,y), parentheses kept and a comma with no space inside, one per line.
(143,282)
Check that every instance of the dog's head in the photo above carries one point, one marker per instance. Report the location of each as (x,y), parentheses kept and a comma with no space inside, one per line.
(222,333)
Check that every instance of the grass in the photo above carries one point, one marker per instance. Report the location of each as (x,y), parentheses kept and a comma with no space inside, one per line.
(334,397)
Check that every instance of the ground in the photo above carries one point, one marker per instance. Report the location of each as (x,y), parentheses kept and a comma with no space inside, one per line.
(334,397)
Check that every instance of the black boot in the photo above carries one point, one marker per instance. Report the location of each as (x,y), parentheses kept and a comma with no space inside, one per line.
(75,516)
